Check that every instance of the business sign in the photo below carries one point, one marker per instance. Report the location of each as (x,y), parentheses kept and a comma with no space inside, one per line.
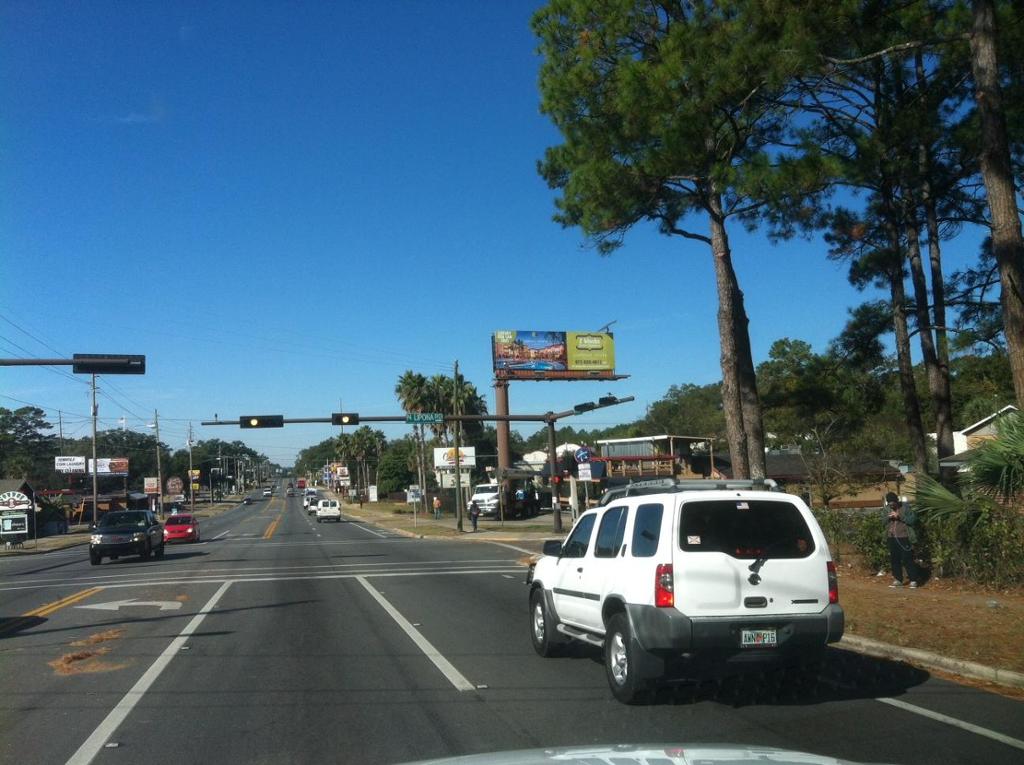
(447,479)
(445,457)
(527,355)
(14,500)
(372,493)
(195,487)
(175,485)
(15,523)
(151,485)
(424,418)
(69,464)
(110,466)
(194,474)
(413,494)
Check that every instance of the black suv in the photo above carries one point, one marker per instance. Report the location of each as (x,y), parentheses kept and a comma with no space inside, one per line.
(126,532)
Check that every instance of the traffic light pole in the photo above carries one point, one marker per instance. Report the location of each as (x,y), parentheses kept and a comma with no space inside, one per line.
(548,418)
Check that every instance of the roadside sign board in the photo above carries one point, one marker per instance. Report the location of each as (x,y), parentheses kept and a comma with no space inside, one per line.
(14,523)
(174,485)
(110,466)
(151,485)
(194,474)
(424,418)
(583,454)
(69,464)
(445,457)
(195,487)
(15,500)
(583,471)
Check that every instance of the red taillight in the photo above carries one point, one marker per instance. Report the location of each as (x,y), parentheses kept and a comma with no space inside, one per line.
(833,583)
(664,597)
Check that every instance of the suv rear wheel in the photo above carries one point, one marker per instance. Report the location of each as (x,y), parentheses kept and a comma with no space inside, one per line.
(620,663)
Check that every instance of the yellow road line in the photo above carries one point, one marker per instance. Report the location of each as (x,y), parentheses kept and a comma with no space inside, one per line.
(46,610)
(49,608)
(272,528)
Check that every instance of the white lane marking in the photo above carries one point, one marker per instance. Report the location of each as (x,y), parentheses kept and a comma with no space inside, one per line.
(294,578)
(92,745)
(221,534)
(116,605)
(455,677)
(161,570)
(510,547)
(364,528)
(971,728)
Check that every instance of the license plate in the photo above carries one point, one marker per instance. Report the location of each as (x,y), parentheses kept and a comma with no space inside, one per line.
(757,638)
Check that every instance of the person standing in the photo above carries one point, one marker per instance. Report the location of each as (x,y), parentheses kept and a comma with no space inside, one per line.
(900,537)
(437,508)
(474,513)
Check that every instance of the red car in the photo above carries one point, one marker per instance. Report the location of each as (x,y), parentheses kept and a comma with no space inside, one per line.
(183,527)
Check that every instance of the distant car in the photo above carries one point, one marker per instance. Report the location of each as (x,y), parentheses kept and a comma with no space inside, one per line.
(266,492)
(328,510)
(486,497)
(182,528)
(291,492)
(310,504)
(247,501)
(126,532)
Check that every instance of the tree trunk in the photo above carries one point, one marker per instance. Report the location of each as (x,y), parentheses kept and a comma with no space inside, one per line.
(729,302)
(1007,242)
(938,386)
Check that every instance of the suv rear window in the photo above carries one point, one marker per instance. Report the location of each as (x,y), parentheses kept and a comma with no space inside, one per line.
(647,530)
(745,528)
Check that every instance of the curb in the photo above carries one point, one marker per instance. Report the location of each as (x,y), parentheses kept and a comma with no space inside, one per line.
(928,659)
(22,551)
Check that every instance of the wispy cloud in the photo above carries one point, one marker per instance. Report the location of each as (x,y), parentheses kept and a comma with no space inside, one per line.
(153,114)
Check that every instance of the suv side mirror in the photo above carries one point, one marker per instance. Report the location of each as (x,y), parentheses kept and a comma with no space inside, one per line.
(552,547)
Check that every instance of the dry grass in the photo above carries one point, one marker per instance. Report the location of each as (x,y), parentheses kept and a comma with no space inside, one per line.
(84,662)
(100,637)
(952,618)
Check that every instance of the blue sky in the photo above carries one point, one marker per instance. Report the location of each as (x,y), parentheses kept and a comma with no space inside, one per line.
(285,207)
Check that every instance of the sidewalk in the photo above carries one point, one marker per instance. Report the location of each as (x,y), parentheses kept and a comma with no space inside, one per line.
(78,534)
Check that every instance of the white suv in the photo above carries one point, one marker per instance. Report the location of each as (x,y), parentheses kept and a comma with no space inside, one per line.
(678,579)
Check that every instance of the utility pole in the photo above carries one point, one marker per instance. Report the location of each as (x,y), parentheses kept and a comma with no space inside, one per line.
(191,485)
(95,411)
(159,471)
(556,505)
(60,421)
(458,450)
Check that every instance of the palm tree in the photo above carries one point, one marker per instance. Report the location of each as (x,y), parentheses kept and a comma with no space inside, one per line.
(412,395)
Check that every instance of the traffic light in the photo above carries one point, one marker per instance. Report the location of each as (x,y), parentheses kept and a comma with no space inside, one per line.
(108,364)
(586,407)
(607,400)
(344,418)
(261,421)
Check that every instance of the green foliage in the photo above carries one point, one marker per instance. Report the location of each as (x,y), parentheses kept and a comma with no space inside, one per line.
(396,470)
(868,538)
(996,468)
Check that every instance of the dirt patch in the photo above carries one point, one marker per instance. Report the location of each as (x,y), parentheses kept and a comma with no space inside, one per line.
(952,618)
(85,662)
(181,598)
(100,637)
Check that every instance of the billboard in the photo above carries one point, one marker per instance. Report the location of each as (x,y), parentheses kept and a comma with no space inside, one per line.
(151,485)
(69,464)
(530,355)
(110,466)
(444,457)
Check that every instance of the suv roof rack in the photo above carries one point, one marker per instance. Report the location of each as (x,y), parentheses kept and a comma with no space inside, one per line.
(672,485)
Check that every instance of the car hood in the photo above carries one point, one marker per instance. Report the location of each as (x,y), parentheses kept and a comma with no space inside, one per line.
(645,754)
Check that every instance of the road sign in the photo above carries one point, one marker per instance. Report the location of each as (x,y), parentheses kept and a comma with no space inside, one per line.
(583,454)
(15,523)
(583,471)
(424,418)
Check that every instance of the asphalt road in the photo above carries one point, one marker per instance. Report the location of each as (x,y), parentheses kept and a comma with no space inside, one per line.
(278,639)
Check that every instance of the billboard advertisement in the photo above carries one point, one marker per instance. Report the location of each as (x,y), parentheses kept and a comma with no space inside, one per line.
(151,485)
(69,464)
(444,457)
(531,355)
(110,466)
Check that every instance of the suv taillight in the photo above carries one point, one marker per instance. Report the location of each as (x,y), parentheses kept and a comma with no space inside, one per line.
(833,583)
(664,596)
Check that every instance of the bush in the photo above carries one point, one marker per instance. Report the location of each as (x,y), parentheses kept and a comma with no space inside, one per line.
(989,550)
(868,537)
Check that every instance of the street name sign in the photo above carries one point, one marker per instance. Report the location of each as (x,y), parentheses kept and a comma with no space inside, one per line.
(424,418)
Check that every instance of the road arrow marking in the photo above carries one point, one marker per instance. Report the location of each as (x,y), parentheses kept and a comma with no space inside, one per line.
(114,605)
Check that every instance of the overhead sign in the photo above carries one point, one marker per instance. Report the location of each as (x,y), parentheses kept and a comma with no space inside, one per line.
(424,418)
(445,457)
(14,500)
(175,485)
(151,485)
(529,355)
(110,466)
(69,464)
(14,524)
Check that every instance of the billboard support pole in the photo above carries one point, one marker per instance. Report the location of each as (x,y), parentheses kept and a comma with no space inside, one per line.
(556,505)
(95,466)
(502,426)
(458,454)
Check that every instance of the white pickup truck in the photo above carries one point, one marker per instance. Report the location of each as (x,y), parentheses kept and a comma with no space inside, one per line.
(328,510)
